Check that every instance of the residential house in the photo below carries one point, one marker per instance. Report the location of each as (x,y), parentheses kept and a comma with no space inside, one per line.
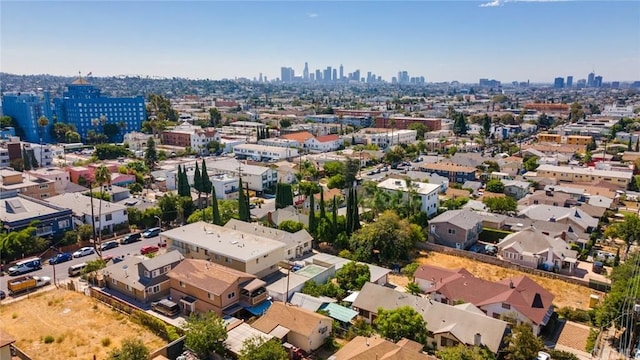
(18,212)
(548,197)
(300,327)
(375,347)
(191,136)
(243,251)
(447,325)
(453,172)
(136,141)
(287,282)
(238,332)
(516,189)
(107,216)
(290,212)
(256,178)
(428,193)
(60,177)
(456,228)
(6,342)
(300,138)
(26,184)
(296,244)
(142,278)
(532,248)
(286,171)
(199,286)
(575,216)
(325,143)
(226,187)
(377,275)
(519,299)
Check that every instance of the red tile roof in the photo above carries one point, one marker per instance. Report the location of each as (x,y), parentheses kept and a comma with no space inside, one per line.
(300,137)
(327,138)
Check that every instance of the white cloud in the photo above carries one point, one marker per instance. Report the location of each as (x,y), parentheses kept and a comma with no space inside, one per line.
(495,3)
(312,15)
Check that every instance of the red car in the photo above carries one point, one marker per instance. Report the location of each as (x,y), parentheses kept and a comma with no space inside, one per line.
(148,249)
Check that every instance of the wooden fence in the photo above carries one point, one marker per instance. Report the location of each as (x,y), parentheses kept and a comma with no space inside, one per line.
(596,285)
(16,351)
(113,301)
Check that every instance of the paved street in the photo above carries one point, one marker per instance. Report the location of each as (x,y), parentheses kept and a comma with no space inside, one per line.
(62,269)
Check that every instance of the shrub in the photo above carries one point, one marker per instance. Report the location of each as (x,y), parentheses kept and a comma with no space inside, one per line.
(48,339)
(157,326)
(576,315)
(591,340)
(105,341)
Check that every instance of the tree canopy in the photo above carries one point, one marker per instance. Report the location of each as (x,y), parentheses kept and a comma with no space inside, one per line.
(256,348)
(495,186)
(523,344)
(205,334)
(500,204)
(131,349)
(463,352)
(402,322)
(353,276)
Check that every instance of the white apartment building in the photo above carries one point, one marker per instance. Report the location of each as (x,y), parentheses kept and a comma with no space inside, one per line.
(4,157)
(226,186)
(60,176)
(384,138)
(255,177)
(618,111)
(264,153)
(111,215)
(428,193)
(136,141)
(42,153)
(326,143)
(279,142)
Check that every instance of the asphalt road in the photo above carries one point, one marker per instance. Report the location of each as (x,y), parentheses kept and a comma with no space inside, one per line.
(62,268)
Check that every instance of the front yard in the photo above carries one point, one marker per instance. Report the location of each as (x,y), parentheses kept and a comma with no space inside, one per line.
(63,324)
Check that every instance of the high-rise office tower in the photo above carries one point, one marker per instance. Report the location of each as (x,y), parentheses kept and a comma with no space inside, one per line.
(335,74)
(260,78)
(558,83)
(597,81)
(327,74)
(318,75)
(305,72)
(590,79)
(341,72)
(286,74)
(569,81)
(356,75)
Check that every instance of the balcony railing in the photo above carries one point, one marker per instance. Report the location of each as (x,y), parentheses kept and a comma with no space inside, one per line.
(254,300)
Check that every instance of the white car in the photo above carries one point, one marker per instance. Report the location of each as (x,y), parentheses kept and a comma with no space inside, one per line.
(83,252)
(543,356)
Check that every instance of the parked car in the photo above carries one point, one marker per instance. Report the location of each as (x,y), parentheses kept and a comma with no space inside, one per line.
(131,238)
(83,252)
(148,249)
(60,258)
(476,248)
(490,250)
(166,307)
(543,356)
(109,245)
(151,232)
(25,266)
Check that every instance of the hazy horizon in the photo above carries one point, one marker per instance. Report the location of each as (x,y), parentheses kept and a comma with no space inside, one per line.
(506,40)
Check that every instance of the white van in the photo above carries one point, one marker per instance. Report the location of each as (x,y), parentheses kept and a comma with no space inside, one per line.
(25,266)
(75,270)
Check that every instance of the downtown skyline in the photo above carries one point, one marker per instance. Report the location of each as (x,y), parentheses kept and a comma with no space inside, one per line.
(442,41)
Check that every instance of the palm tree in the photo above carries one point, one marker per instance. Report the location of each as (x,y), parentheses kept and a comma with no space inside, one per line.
(101,176)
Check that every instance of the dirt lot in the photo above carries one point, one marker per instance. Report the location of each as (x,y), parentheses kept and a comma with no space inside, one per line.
(566,294)
(80,326)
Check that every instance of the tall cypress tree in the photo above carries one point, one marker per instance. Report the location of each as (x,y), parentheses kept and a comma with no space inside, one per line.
(215,211)
(323,214)
(349,216)
(197,183)
(313,226)
(638,145)
(243,206)
(179,185)
(334,215)
(356,213)
(206,182)
(26,160)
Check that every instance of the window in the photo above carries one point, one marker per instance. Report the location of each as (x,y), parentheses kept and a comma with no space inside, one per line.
(147,274)
(231,295)
(211,296)
(451,231)
(257,261)
(506,306)
(183,285)
(114,281)
(166,269)
(108,217)
(155,273)
(228,260)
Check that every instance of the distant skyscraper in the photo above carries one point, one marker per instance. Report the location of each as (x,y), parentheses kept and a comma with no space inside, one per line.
(341,72)
(260,78)
(318,75)
(305,72)
(356,75)
(597,81)
(558,83)
(335,74)
(327,74)
(286,74)
(581,83)
(590,79)
(569,81)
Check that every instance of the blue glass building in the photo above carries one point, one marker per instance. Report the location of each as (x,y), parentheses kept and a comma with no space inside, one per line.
(83,106)
(26,109)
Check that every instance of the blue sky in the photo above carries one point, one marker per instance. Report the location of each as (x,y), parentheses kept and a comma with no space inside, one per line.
(443,41)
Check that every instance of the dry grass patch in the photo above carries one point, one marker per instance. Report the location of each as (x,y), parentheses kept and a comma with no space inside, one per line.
(78,323)
(566,294)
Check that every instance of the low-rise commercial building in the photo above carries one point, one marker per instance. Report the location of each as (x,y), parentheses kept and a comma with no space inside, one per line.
(576,174)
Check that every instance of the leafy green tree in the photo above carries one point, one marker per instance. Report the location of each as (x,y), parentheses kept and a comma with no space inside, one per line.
(150,154)
(545,121)
(353,276)
(413,288)
(332,168)
(402,322)
(59,131)
(285,123)
(463,352)
(459,124)
(637,149)
(523,344)
(495,186)
(410,269)
(352,167)
(486,125)
(26,159)
(214,117)
(111,130)
(386,240)
(284,195)
(72,137)
(291,226)
(454,203)
(337,182)
(131,349)
(531,164)
(228,209)
(257,348)
(576,112)
(205,334)
(93,266)
(395,155)
(102,177)
(419,128)
(160,108)
(6,121)
(501,205)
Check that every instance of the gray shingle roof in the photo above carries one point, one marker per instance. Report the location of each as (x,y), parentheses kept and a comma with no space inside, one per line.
(465,219)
